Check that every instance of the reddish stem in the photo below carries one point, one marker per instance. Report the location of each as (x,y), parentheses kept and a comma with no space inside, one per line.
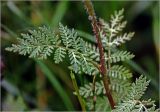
(103,70)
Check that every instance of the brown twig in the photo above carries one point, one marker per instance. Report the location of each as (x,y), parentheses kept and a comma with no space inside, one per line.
(92,17)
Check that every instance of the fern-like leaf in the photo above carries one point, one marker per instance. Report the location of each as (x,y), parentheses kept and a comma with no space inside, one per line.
(120,56)
(144,106)
(43,42)
(76,41)
(102,104)
(109,32)
(65,35)
(122,39)
(75,61)
(88,67)
(92,51)
(99,88)
(126,106)
(116,24)
(131,102)
(37,44)
(86,91)
(84,57)
(59,54)
(119,72)
(119,87)
(70,38)
(136,106)
(137,89)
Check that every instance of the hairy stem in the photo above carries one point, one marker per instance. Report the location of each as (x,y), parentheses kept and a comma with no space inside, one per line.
(92,17)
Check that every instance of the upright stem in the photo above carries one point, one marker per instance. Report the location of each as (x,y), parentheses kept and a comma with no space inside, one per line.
(92,17)
(94,95)
(81,101)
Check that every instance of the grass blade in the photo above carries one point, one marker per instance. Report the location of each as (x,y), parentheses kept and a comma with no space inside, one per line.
(60,11)
(57,86)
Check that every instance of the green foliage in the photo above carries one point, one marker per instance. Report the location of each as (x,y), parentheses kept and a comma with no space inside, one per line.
(59,55)
(122,39)
(113,28)
(116,85)
(43,43)
(126,106)
(75,61)
(137,89)
(93,51)
(102,105)
(66,35)
(120,87)
(136,106)
(120,72)
(84,57)
(87,90)
(131,102)
(120,56)
(70,37)
(128,94)
(37,43)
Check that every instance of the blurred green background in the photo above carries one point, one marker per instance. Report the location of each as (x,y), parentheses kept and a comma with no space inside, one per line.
(28,84)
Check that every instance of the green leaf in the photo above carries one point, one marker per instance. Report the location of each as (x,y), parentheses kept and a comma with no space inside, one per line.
(86,91)
(87,66)
(119,72)
(102,104)
(120,56)
(75,61)
(92,51)
(59,55)
(42,42)
(122,39)
(119,86)
(70,37)
(65,35)
(75,40)
(137,89)
(38,44)
(131,102)
(126,106)
(136,106)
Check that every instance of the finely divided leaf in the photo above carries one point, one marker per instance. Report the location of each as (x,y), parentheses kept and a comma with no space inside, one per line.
(120,56)
(38,43)
(137,89)
(119,72)
(59,55)
(122,39)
